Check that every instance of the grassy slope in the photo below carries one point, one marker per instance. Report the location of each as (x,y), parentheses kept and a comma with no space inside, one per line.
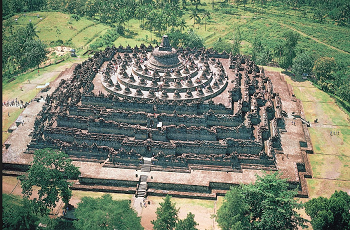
(331,159)
(270,24)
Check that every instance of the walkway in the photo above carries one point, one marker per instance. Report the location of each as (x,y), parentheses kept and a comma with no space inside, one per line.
(141,192)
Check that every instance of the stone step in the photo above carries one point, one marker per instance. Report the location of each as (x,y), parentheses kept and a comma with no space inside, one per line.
(142,187)
(145,169)
(143,178)
(141,194)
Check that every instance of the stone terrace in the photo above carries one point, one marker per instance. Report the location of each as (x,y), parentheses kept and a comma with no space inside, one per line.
(203,134)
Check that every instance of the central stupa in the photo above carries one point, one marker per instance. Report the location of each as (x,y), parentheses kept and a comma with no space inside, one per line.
(165,74)
(164,57)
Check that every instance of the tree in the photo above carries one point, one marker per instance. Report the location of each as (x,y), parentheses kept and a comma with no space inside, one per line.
(260,54)
(193,40)
(167,215)
(320,14)
(332,213)
(106,213)
(290,42)
(268,204)
(22,50)
(187,224)
(244,3)
(206,15)
(271,204)
(34,53)
(236,41)
(324,68)
(195,16)
(302,64)
(182,24)
(221,45)
(17,213)
(233,214)
(50,171)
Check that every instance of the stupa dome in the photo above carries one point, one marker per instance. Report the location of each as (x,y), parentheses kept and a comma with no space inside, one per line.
(164,57)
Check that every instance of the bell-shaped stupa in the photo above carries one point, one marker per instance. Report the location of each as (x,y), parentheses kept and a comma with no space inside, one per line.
(164,57)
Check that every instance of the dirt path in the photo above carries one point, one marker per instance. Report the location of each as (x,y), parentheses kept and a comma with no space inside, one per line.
(18,140)
(315,39)
(26,91)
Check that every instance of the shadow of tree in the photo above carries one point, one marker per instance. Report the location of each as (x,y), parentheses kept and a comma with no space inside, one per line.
(294,77)
(130,34)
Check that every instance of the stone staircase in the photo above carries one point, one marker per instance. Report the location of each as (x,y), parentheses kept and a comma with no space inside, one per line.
(141,191)
(146,167)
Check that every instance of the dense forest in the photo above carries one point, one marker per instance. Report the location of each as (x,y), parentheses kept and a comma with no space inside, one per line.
(330,73)
(111,11)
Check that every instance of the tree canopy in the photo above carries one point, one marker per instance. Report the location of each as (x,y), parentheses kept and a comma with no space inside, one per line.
(324,68)
(22,50)
(287,49)
(267,204)
(17,213)
(233,214)
(106,213)
(186,39)
(50,171)
(167,215)
(187,224)
(332,213)
(302,64)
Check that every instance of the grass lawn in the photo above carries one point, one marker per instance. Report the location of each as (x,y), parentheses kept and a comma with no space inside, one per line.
(136,36)
(60,26)
(330,167)
(116,196)
(330,138)
(86,36)
(325,188)
(202,209)
(328,141)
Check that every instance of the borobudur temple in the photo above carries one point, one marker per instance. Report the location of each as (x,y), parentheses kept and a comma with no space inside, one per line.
(185,122)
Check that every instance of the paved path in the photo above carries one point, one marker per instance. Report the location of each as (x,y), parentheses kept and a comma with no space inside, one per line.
(20,137)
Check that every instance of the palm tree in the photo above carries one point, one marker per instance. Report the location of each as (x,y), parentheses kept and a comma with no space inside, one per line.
(182,24)
(197,2)
(206,16)
(194,15)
